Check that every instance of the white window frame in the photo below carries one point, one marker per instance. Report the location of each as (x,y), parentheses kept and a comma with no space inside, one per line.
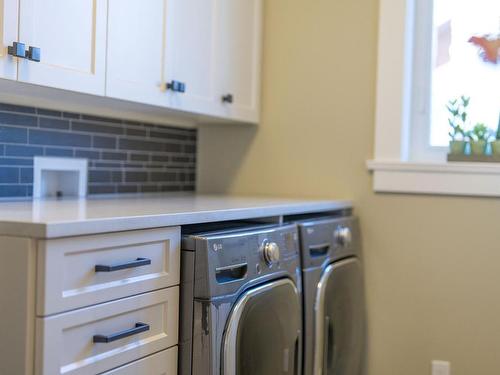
(404,161)
(421,149)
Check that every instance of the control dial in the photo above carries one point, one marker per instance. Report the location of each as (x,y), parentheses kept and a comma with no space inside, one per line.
(271,252)
(343,236)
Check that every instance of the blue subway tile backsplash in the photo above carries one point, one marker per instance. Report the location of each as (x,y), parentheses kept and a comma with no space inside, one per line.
(14,135)
(9,175)
(124,156)
(53,123)
(27,151)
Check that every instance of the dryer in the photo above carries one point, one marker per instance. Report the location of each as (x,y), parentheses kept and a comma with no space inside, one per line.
(333,291)
(241,302)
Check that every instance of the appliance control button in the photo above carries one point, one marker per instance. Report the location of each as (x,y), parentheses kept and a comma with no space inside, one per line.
(258,269)
(270,252)
(343,236)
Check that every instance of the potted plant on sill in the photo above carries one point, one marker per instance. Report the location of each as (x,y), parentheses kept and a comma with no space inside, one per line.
(495,145)
(458,118)
(479,137)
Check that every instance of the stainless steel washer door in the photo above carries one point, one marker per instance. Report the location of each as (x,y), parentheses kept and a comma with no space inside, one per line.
(263,332)
(340,320)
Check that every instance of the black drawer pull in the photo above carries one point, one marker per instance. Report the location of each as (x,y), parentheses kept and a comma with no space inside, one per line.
(139,262)
(139,328)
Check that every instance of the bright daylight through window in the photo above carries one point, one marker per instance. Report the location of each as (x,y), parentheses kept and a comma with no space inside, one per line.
(437,127)
(465,62)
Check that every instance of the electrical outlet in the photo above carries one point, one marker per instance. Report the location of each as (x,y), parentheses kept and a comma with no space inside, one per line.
(440,368)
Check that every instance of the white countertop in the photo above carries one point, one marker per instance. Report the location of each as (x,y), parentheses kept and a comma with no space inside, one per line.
(72,217)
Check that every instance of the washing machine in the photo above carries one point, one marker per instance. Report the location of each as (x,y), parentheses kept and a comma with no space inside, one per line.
(333,295)
(241,302)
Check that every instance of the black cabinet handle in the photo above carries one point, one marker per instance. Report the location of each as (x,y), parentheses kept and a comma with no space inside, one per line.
(139,328)
(33,54)
(229,98)
(139,262)
(17,50)
(176,86)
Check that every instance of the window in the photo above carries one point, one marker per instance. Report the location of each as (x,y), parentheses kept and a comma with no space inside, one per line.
(425,59)
(448,64)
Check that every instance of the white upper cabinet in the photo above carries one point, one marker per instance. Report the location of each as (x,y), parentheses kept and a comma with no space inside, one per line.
(190,55)
(195,56)
(136,51)
(9,10)
(71,36)
(161,52)
(238,45)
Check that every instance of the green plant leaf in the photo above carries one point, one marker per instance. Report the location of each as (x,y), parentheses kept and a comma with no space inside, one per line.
(497,136)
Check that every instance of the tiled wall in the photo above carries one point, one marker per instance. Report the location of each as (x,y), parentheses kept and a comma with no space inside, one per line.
(124,156)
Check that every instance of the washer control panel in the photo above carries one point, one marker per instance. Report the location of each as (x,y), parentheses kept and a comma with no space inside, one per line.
(326,239)
(226,260)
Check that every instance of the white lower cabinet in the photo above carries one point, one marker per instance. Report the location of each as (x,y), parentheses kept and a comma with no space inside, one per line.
(163,363)
(94,304)
(81,271)
(107,300)
(96,339)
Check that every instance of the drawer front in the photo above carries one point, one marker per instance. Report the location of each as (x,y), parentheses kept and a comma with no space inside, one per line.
(129,263)
(66,343)
(163,363)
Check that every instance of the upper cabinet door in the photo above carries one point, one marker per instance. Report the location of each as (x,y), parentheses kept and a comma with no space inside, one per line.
(239,35)
(190,56)
(71,36)
(9,10)
(136,51)
(160,52)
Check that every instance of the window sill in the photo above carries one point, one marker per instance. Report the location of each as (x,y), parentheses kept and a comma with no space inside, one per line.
(472,179)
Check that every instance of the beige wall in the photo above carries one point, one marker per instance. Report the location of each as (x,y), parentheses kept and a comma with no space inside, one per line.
(432,263)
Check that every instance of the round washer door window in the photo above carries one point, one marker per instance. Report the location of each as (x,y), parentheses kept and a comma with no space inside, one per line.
(263,332)
(340,320)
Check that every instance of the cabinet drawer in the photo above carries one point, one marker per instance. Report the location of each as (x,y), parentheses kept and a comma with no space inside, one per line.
(129,263)
(163,363)
(135,327)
